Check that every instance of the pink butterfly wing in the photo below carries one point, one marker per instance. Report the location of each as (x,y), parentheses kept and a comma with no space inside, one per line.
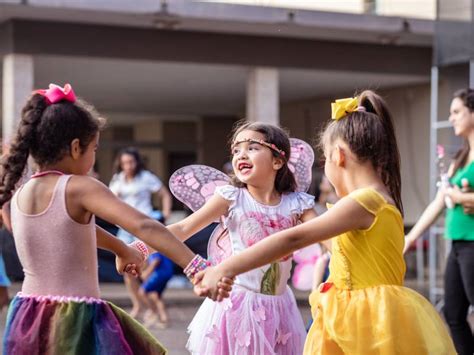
(305,260)
(214,334)
(193,185)
(309,253)
(283,338)
(302,278)
(301,163)
(243,338)
(260,314)
(219,247)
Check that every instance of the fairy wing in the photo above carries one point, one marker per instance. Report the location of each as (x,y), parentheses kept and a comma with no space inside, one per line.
(193,185)
(301,163)
(219,247)
(305,260)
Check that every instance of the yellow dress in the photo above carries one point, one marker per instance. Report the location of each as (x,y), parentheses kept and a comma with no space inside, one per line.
(363,308)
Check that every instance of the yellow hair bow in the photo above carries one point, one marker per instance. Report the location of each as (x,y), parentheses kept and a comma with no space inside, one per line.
(342,107)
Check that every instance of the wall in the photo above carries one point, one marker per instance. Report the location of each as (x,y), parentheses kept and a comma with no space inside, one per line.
(410,107)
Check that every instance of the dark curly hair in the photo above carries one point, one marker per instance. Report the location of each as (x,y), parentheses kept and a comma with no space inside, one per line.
(45,132)
(285,180)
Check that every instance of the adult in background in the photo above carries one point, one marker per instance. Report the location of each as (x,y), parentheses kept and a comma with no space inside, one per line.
(459,275)
(135,185)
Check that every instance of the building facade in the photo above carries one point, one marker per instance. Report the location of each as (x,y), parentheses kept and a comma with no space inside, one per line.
(172,77)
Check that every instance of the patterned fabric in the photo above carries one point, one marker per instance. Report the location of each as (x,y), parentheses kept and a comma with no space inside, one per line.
(249,221)
(248,323)
(261,316)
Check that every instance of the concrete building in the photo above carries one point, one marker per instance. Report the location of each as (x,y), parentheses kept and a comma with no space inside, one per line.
(172,77)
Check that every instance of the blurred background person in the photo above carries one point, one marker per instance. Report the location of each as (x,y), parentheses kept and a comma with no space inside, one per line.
(135,185)
(155,276)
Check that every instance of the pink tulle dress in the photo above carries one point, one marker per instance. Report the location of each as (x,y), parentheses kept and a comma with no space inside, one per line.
(261,316)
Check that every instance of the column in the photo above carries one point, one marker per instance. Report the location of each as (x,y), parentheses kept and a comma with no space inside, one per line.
(263,96)
(18,80)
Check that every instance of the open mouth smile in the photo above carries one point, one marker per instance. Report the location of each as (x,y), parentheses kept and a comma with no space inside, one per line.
(244,167)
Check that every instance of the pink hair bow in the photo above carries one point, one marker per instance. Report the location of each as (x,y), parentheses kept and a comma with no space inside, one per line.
(56,93)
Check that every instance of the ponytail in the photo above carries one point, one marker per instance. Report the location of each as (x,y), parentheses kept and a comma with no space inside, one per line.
(389,165)
(368,130)
(13,165)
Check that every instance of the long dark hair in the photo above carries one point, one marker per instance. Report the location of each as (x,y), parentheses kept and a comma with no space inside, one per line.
(467,98)
(370,135)
(135,154)
(46,132)
(285,180)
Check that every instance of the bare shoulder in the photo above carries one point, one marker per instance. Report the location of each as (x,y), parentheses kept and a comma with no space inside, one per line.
(81,184)
(350,209)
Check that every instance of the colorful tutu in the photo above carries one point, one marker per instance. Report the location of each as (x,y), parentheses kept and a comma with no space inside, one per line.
(248,323)
(67,325)
(375,320)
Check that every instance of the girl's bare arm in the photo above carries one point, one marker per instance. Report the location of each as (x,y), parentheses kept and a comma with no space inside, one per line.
(346,215)
(96,198)
(210,212)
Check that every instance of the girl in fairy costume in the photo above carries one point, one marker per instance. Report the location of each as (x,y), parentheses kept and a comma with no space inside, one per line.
(261,316)
(363,308)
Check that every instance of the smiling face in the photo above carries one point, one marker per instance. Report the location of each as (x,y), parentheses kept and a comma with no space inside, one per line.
(252,162)
(461,118)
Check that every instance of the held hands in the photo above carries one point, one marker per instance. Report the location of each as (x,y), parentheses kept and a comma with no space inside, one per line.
(212,283)
(130,261)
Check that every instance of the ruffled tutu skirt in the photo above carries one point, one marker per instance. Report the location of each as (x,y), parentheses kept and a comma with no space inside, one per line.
(248,323)
(375,320)
(67,325)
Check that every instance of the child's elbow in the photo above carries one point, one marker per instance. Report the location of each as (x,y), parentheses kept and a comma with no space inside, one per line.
(293,242)
(146,227)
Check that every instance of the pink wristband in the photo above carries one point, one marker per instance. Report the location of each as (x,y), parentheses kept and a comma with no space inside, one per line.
(198,263)
(141,247)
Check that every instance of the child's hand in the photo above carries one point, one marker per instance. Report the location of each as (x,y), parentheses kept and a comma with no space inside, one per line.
(213,284)
(130,261)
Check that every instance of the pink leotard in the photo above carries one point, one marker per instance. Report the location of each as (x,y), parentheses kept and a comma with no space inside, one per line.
(58,254)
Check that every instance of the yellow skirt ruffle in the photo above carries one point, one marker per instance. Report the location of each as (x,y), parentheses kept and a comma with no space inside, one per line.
(375,320)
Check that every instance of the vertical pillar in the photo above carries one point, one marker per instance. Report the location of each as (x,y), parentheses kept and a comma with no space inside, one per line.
(18,81)
(263,95)
(471,74)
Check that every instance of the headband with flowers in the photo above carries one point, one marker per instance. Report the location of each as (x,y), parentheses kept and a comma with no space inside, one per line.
(56,93)
(342,107)
(262,142)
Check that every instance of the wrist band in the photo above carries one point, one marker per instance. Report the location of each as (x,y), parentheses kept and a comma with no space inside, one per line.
(141,247)
(198,263)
